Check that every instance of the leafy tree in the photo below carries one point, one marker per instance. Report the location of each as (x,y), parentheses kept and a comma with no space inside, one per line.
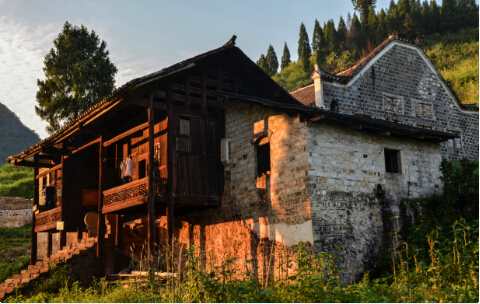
(372,24)
(285,57)
(272,61)
(434,18)
(381,32)
(78,74)
(304,50)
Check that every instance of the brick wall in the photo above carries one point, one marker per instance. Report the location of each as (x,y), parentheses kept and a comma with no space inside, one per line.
(346,166)
(402,73)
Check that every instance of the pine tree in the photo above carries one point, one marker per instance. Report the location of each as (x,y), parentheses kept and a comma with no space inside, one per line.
(381,32)
(433,18)
(356,29)
(409,30)
(341,35)
(391,18)
(304,50)
(262,63)
(363,6)
(330,36)
(372,24)
(447,14)
(424,19)
(272,61)
(285,57)
(472,16)
(318,39)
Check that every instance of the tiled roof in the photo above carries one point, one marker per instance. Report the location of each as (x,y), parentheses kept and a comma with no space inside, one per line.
(305,95)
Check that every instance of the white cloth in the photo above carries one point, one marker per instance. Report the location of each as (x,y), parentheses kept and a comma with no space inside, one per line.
(128,167)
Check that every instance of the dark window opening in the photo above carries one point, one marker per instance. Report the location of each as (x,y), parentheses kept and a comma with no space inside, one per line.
(334,106)
(392,161)
(142,169)
(263,159)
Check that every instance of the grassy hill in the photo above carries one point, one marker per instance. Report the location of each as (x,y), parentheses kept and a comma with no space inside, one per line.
(14,135)
(454,55)
(16,182)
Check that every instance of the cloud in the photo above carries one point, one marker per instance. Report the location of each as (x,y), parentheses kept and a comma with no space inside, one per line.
(22,49)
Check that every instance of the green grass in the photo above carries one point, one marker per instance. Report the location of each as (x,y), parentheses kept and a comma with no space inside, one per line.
(16,182)
(14,255)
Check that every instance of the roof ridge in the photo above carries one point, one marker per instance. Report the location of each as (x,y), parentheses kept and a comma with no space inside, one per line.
(304,87)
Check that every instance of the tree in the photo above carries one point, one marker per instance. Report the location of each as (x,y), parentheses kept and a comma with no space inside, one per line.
(341,34)
(448,14)
(285,57)
(78,74)
(362,6)
(272,61)
(262,63)
(330,36)
(372,24)
(304,50)
(409,30)
(318,39)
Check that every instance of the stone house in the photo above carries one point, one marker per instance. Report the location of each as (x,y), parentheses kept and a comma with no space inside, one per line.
(237,162)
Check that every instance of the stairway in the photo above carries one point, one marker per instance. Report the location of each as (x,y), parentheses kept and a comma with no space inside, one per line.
(41,268)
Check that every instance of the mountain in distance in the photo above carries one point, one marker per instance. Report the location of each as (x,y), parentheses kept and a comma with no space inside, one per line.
(15,137)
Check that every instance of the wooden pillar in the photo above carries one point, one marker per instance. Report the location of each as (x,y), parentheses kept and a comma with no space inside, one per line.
(63,233)
(187,93)
(118,243)
(101,217)
(204,92)
(170,159)
(33,252)
(151,180)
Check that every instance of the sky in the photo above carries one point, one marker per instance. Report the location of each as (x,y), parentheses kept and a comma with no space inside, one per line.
(146,36)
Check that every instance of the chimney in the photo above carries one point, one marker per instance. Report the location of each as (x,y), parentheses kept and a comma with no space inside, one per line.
(318,88)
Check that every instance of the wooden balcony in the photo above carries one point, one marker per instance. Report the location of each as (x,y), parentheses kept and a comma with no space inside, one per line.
(131,194)
(48,219)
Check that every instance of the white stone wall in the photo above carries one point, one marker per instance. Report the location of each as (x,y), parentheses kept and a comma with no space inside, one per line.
(345,167)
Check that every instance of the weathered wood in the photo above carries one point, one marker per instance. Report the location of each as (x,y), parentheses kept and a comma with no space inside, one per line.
(53,151)
(187,93)
(85,146)
(46,220)
(101,217)
(219,86)
(151,181)
(170,158)
(63,233)
(25,163)
(118,242)
(125,134)
(49,171)
(33,252)
(53,158)
(204,92)
(134,201)
(142,102)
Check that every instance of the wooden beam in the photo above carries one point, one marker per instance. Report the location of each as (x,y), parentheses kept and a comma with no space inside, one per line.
(320,117)
(125,134)
(101,216)
(151,180)
(63,233)
(118,242)
(187,93)
(53,158)
(204,92)
(85,146)
(145,103)
(53,151)
(170,156)
(25,163)
(33,251)
(49,171)
(90,130)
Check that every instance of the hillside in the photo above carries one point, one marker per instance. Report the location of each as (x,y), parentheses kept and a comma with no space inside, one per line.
(14,135)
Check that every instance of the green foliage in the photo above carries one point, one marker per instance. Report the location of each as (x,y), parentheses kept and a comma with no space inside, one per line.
(304,50)
(456,57)
(78,74)
(292,76)
(271,61)
(318,38)
(14,256)
(16,182)
(285,57)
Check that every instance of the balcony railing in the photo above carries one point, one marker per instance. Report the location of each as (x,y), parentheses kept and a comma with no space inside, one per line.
(131,194)
(48,219)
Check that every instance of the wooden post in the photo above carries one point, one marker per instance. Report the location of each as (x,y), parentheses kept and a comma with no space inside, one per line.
(63,233)
(118,243)
(151,180)
(187,93)
(204,92)
(170,158)
(33,252)
(101,217)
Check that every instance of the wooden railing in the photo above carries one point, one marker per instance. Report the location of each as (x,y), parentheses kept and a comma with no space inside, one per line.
(131,194)
(48,219)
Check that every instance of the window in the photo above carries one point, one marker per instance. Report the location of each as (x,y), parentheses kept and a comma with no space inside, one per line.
(183,138)
(142,169)
(423,110)
(263,159)
(392,161)
(392,104)
(185,126)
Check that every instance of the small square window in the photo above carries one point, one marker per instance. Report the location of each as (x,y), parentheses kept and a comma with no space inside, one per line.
(185,126)
(263,159)
(392,161)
